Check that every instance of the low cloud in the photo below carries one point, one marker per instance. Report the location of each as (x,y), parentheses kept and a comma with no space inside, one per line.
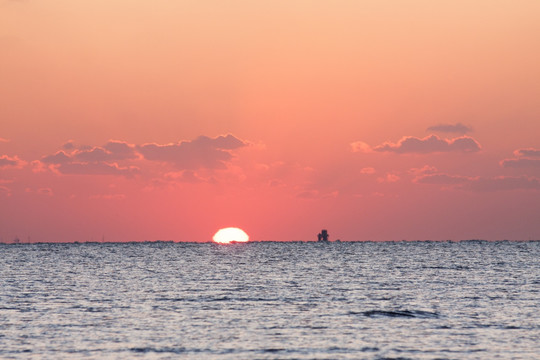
(526,158)
(38,166)
(360,146)
(118,157)
(120,150)
(529,152)
(441,179)
(96,161)
(480,184)
(96,169)
(58,158)
(368,170)
(503,183)
(203,152)
(112,151)
(426,169)
(389,178)
(69,145)
(6,161)
(520,163)
(430,144)
(188,176)
(4,140)
(458,128)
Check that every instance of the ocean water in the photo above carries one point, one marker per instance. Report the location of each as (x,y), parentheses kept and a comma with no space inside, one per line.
(269,300)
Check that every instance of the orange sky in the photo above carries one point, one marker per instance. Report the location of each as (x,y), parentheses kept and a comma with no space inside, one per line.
(381,120)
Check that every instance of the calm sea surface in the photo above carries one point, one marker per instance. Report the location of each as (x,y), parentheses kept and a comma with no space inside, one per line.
(403,300)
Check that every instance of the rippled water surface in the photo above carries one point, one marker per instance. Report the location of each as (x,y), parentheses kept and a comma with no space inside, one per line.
(403,300)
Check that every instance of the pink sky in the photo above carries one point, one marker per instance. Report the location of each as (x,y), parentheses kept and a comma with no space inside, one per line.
(378,120)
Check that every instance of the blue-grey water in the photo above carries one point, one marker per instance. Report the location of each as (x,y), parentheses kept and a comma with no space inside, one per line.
(268,300)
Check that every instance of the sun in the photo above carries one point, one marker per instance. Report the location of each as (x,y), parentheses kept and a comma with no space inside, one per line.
(229,235)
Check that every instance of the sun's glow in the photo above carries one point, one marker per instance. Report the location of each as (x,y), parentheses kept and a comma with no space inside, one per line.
(229,235)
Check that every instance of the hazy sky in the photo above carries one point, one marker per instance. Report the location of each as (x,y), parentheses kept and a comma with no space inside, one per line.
(378,120)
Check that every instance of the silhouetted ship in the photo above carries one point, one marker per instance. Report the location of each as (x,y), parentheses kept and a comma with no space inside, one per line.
(323,235)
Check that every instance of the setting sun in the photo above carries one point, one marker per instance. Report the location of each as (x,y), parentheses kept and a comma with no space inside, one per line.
(229,235)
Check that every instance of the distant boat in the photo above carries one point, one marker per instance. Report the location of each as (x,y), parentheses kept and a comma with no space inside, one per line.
(323,235)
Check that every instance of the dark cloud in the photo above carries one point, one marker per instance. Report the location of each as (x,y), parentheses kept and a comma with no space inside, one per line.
(58,158)
(69,145)
(96,154)
(112,151)
(203,152)
(96,169)
(530,152)
(441,179)
(426,169)
(430,144)
(227,142)
(527,158)
(188,176)
(458,128)
(94,160)
(503,183)
(120,150)
(479,184)
(6,161)
(87,162)
(520,163)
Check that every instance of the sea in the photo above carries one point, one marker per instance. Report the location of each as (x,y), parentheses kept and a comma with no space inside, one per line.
(271,300)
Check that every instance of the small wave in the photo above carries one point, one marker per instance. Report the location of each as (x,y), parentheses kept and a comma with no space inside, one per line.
(222,298)
(158,350)
(439,267)
(444,327)
(498,326)
(400,313)
(95,309)
(369,349)
(311,327)
(173,299)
